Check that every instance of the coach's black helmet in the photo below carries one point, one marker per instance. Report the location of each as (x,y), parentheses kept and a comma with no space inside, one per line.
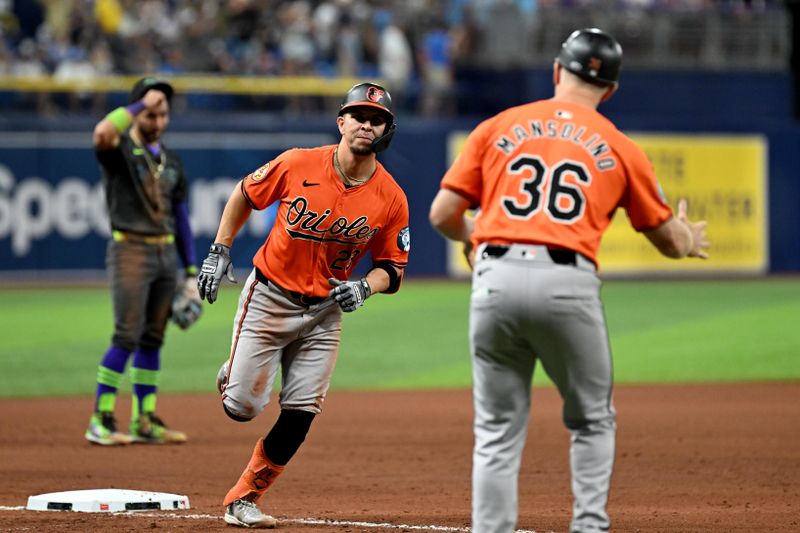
(593,55)
(141,87)
(372,95)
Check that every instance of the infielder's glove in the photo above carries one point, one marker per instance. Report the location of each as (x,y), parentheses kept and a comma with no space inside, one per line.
(216,265)
(187,305)
(350,295)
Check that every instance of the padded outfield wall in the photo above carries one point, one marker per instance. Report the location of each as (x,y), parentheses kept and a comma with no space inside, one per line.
(725,140)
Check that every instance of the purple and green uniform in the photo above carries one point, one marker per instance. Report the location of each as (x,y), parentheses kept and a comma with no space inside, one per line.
(146,192)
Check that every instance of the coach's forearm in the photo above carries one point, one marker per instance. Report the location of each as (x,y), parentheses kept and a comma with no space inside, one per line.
(457,228)
(235,214)
(447,216)
(673,238)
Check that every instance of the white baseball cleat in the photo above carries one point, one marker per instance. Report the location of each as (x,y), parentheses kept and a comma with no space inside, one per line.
(244,513)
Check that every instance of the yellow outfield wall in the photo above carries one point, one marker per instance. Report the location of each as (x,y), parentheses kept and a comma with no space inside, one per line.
(188,83)
(724,180)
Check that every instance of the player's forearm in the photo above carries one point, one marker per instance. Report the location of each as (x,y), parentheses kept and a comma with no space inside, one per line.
(106,133)
(378,280)
(184,240)
(235,214)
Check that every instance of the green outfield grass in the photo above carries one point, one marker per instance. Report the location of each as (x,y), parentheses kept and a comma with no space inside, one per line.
(661,331)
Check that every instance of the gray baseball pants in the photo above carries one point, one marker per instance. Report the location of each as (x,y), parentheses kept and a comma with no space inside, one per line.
(525,307)
(271,331)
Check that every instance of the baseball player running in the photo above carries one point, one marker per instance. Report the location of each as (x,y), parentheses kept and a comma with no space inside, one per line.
(548,177)
(146,192)
(336,204)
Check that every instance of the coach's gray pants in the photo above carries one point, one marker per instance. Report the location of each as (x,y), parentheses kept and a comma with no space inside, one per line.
(523,308)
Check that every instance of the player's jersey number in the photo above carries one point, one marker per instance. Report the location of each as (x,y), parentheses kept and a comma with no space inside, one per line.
(563,200)
(344,259)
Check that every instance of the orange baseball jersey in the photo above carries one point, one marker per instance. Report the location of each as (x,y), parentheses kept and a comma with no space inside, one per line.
(322,229)
(554,173)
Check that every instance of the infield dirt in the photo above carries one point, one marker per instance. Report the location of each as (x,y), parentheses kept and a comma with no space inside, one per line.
(689,458)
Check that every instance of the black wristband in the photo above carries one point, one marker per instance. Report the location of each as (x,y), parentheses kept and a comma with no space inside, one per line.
(367,289)
(217,248)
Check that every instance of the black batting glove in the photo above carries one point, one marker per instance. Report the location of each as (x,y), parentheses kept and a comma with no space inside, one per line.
(217,264)
(350,295)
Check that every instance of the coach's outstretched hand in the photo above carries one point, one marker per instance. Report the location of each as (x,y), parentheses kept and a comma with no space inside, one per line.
(217,264)
(700,242)
(350,295)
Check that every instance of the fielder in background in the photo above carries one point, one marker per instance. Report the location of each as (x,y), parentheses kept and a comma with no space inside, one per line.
(337,203)
(547,177)
(146,193)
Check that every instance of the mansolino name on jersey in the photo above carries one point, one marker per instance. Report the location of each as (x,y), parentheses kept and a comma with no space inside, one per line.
(594,145)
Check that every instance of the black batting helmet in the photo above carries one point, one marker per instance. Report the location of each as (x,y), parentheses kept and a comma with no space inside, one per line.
(593,55)
(372,95)
(141,87)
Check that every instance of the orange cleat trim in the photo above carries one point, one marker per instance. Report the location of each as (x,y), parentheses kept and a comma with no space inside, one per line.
(257,478)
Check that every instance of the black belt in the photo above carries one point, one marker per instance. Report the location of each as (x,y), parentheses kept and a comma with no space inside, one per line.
(559,256)
(292,295)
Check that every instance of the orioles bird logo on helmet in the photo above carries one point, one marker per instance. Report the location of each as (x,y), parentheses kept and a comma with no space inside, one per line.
(374,94)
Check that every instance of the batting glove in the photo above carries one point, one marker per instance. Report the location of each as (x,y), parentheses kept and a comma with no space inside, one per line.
(350,295)
(217,264)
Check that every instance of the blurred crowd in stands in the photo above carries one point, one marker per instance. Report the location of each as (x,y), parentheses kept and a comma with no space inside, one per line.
(413,45)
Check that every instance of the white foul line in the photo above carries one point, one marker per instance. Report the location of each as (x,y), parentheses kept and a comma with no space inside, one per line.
(305,521)
(320,522)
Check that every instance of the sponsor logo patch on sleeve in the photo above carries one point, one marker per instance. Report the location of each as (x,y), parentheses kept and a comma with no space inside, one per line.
(404,239)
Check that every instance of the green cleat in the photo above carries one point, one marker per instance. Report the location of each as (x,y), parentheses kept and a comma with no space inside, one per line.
(149,429)
(103,431)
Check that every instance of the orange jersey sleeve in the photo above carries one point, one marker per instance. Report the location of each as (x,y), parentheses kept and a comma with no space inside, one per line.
(323,229)
(554,173)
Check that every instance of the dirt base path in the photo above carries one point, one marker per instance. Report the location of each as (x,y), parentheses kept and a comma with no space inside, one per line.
(689,458)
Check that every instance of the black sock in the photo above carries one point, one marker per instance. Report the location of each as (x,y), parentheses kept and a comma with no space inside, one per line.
(286,436)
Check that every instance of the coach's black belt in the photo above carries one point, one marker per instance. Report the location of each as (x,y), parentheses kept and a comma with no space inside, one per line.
(292,295)
(559,256)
